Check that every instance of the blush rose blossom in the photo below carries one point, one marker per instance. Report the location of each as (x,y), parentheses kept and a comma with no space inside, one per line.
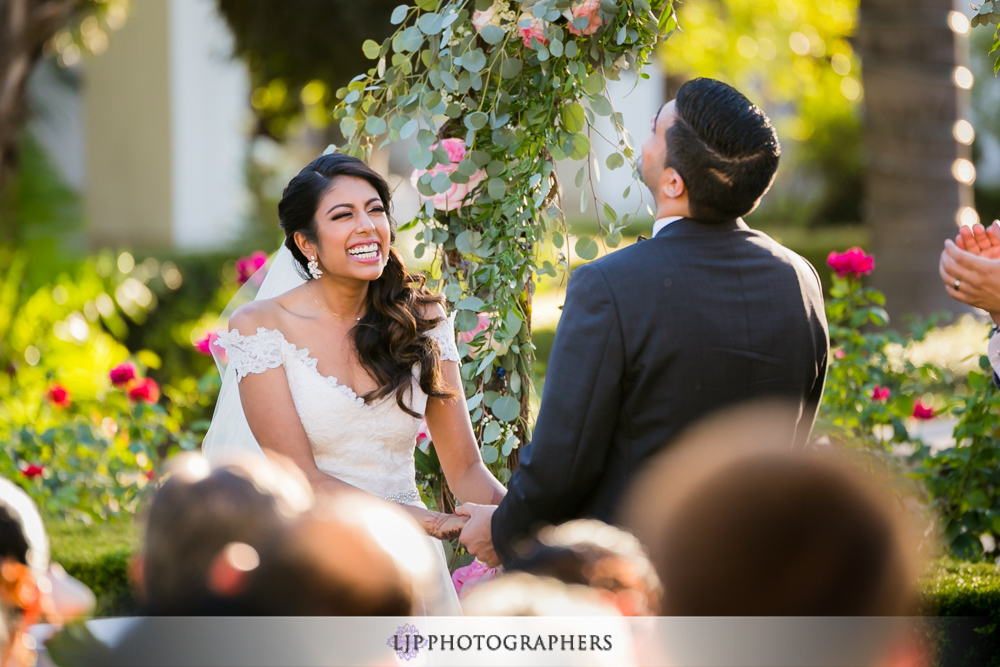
(204,344)
(453,197)
(145,390)
(33,470)
(853,263)
(58,396)
(921,411)
(528,27)
(468,577)
(122,374)
(486,17)
(587,9)
(247,266)
(880,394)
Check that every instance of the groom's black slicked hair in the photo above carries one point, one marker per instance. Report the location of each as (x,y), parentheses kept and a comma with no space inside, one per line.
(724,148)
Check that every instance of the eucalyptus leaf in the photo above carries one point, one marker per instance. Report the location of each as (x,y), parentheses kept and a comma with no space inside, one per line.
(506,408)
(420,157)
(496,188)
(474,61)
(430,24)
(375,126)
(399,14)
(476,120)
(490,454)
(492,34)
(492,432)
(441,183)
(572,117)
(371,49)
(510,68)
(473,303)
(586,248)
(466,320)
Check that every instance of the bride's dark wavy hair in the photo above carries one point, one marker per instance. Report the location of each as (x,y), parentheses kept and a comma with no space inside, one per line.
(390,339)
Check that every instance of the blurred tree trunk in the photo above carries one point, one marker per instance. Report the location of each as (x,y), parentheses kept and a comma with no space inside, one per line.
(909,55)
(25,27)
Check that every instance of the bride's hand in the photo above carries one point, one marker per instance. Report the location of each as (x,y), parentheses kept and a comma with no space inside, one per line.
(444,526)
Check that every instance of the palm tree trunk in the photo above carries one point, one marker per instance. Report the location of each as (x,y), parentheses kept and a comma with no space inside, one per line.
(909,55)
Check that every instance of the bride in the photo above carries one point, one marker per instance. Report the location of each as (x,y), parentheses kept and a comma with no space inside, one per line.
(337,371)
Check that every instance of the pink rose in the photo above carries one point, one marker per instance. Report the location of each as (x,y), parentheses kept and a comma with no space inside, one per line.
(145,389)
(921,411)
(122,373)
(423,433)
(535,27)
(467,336)
(473,574)
(880,394)
(490,16)
(854,263)
(33,471)
(204,344)
(587,9)
(58,396)
(839,354)
(247,266)
(453,197)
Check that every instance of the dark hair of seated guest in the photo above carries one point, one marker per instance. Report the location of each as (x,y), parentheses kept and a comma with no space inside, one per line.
(594,554)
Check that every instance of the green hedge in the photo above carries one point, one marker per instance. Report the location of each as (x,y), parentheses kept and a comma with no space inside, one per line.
(99,555)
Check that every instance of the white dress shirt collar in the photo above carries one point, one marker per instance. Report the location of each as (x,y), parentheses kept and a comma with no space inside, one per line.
(663,222)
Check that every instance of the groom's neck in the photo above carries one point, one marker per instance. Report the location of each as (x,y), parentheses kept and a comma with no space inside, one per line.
(667,207)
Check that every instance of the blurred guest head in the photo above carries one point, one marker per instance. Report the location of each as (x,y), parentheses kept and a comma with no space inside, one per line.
(24,557)
(523,594)
(737,525)
(204,528)
(591,553)
(352,555)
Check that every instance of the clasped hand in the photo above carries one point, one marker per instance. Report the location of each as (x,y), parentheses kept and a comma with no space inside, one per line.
(477,535)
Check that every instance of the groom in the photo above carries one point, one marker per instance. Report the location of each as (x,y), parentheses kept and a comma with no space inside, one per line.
(706,314)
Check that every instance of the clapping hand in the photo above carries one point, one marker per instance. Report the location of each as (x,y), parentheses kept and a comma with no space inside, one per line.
(477,536)
(970,268)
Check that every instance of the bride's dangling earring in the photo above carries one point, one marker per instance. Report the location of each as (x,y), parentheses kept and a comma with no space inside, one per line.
(313,267)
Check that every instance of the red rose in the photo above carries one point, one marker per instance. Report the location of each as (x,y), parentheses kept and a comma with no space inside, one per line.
(852,263)
(122,374)
(33,471)
(149,474)
(58,396)
(921,411)
(145,389)
(247,266)
(880,394)
(204,345)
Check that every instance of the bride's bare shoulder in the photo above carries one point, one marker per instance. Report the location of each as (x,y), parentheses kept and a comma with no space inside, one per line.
(266,313)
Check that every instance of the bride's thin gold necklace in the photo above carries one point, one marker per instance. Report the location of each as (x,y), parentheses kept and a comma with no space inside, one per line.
(343,317)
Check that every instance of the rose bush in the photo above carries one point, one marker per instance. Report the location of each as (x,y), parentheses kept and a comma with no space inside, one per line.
(876,398)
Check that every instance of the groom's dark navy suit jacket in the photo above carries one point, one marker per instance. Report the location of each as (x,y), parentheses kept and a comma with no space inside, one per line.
(652,337)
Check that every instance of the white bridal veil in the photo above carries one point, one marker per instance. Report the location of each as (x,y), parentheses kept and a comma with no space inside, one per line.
(230,434)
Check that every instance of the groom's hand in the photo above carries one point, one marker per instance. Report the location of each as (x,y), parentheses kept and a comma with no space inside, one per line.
(477,535)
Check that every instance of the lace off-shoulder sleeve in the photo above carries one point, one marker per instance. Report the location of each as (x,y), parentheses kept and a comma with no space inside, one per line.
(252,354)
(444,334)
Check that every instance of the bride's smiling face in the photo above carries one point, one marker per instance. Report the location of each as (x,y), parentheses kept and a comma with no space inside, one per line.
(351,230)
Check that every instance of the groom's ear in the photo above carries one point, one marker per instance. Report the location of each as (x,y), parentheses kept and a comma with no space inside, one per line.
(672,184)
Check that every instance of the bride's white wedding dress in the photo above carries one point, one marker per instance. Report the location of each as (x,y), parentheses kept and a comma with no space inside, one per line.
(367,445)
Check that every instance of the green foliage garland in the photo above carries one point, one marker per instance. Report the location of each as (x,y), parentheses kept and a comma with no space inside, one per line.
(495,94)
